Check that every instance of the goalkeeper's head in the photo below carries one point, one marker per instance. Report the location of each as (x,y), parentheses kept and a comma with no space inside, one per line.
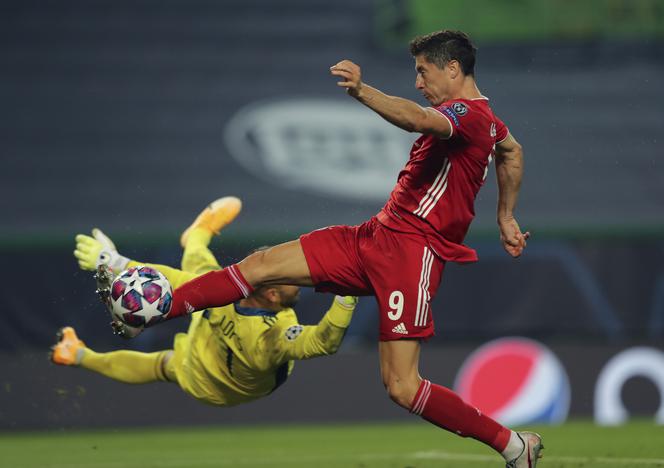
(275,297)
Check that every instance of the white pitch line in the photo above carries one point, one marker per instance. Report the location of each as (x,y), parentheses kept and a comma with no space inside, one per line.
(312,459)
(611,461)
(439,455)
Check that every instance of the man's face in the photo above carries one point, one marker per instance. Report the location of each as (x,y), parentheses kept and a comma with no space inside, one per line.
(432,81)
(289,295)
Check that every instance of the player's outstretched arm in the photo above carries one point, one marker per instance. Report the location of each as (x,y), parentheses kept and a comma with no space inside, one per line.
(305,342)
(509,170)
(99,249)
(401,112)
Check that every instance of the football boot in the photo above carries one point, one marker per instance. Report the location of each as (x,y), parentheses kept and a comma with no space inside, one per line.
(214,217)
(532,451)
(66,351)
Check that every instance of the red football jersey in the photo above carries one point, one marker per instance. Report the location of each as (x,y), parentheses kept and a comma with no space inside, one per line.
(435,193)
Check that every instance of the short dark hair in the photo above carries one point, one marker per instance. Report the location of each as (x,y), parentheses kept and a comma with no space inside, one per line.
(262,248)
(442,46)
(260,289)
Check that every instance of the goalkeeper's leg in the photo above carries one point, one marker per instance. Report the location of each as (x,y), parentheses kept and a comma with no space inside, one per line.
(197,257)
(124,366)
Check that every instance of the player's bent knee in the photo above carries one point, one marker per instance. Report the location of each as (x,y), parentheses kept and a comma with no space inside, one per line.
(255,268)
(276,265)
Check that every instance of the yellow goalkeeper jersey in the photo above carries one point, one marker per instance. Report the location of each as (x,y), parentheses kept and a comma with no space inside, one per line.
(233,354)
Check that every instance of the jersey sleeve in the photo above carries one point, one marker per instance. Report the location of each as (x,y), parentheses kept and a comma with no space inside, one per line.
(458,115)
(501,130)
(291,341)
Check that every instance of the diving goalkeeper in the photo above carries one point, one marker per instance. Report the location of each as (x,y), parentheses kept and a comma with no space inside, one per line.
(230,355)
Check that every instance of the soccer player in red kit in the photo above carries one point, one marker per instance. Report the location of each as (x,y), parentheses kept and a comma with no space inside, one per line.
(399,255)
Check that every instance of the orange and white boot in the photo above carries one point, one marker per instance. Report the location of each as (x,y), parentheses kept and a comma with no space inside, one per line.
(68,350)
(214,217)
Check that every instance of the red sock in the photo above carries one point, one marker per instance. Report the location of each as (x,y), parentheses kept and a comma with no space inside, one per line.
(446,409)
(213,289)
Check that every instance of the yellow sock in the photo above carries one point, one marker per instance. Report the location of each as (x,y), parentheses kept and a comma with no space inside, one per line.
(197,257)
(175,277)
(199,236)
(126,366)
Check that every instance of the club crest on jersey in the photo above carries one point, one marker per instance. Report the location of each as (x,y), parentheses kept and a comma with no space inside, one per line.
(293,332)
(460,108)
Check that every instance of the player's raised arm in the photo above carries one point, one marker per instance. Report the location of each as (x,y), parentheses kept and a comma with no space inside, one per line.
(99,249)
(401,112)
(297,341)
(509,170)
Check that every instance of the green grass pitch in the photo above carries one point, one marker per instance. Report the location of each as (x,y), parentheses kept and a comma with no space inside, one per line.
(415,445)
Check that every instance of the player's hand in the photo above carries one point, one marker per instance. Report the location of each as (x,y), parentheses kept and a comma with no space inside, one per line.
(351,76)
(98,250)
(513,240)
(348,302)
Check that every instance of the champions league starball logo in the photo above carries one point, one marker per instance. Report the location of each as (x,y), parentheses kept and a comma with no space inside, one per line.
(515,381)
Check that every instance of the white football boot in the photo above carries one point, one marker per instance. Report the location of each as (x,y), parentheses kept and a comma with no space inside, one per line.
(532,451)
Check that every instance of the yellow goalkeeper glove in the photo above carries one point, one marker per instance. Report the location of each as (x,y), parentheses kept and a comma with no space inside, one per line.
(347,302)
(341,310)
(98,250)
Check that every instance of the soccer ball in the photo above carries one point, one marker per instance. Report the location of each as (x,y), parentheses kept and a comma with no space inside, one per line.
(141,296)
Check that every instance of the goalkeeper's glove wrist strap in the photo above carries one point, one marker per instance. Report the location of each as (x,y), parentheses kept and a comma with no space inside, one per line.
(114,260)
(340,313)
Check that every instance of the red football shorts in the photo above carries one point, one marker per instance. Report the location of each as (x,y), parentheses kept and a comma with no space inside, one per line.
(400,269)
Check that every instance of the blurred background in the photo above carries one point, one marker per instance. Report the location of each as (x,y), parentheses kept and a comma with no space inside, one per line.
(131,116)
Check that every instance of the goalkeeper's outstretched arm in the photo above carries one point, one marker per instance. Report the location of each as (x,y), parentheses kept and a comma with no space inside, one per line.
(98,253)
(100,250)
(304,342)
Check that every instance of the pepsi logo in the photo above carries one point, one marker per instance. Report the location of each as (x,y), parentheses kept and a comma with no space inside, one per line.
(516,381)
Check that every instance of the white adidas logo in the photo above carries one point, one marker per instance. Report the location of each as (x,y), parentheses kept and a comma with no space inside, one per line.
(189,308)
(401,328)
